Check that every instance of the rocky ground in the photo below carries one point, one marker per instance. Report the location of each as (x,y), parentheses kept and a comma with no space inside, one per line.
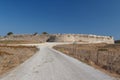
(102,56)
(11,56)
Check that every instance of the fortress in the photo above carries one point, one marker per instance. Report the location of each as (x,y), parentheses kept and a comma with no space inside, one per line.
(61,38)
(81,38)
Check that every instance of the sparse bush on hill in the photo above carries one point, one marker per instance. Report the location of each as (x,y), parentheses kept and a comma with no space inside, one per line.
(44,33)
(9,33)
(117,41)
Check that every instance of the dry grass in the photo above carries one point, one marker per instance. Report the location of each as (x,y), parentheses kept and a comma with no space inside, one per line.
(16,42)
(12,56)
(106,56)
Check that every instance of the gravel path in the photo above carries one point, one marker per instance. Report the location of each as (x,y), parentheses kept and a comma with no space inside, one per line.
(49,64)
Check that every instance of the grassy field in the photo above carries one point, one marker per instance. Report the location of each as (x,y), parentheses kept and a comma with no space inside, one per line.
(105,56)
(12,56)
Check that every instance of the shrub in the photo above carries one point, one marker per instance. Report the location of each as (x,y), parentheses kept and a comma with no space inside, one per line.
(44,33)
(10,33)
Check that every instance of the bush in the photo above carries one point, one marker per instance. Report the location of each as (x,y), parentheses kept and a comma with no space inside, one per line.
(10,33)
(44,33)
(117,41)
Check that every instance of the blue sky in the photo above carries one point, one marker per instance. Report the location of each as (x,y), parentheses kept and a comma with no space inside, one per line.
(101,17)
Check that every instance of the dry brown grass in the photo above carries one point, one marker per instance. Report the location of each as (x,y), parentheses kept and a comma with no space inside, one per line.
(12,56)
(106,56)
(17,42)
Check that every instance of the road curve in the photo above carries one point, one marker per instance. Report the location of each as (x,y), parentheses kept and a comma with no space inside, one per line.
(49,64)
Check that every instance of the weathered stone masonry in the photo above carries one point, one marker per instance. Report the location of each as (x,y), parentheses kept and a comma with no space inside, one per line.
(62,38)
(82,38)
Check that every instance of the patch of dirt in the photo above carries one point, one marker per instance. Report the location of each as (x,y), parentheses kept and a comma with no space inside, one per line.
(12,56)
(106,57)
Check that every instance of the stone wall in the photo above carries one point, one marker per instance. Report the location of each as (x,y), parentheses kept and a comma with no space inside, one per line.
(82,38)
(61,38)
(27,37)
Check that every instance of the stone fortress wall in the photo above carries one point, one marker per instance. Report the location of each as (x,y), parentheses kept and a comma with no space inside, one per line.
(62,38)
(82,38)
(26,37)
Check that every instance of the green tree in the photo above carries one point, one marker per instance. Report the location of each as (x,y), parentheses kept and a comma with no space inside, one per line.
(44,33)
(10,33)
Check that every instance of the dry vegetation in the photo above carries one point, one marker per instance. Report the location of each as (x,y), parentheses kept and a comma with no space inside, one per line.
(12,56)
(106,56)
(13,42)
(17,42)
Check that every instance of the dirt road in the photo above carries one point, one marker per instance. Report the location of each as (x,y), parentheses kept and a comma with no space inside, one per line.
(48,64)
